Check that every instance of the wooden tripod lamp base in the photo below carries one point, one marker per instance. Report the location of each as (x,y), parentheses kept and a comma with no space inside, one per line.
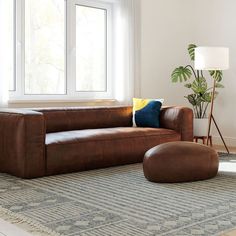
(211,117)
(217,127)
(212,59)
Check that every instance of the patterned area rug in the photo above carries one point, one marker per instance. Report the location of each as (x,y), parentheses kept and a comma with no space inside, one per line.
(120,201)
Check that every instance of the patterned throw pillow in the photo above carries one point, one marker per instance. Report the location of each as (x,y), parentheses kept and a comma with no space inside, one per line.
(146,112)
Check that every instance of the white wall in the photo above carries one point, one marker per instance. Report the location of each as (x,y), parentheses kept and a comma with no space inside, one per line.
(168,26)
(165,34)
(215,24)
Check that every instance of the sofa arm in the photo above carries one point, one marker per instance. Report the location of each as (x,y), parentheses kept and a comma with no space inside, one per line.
(22,143)
(179,119)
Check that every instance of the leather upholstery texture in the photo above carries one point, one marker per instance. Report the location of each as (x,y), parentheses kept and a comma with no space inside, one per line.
(179,119)
(22,143)
(180,162)
(96,148)
(64,119)
(39,142)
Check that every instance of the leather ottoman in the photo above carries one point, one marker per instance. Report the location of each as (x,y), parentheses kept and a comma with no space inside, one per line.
(180,162)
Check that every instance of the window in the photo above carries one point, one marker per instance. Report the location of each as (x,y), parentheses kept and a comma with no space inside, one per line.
(91,48)
(44,47)
(63,49)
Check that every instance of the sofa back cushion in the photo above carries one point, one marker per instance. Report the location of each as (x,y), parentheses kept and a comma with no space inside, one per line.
(64,119)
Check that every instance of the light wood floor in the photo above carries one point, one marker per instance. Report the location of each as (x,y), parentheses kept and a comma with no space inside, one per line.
(231,233)
(222,149)
(7,229)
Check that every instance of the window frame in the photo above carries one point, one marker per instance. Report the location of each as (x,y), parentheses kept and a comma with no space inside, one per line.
(70,55)
(13,89)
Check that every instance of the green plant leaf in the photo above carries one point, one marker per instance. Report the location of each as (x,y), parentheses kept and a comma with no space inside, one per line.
(218,85)
(191,51)
(201,95)
(199,86)
(206,97)
(216,74)
(194,99)
(188,85)
(181,74)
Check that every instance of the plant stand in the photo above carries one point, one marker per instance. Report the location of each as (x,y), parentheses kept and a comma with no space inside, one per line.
(203,138)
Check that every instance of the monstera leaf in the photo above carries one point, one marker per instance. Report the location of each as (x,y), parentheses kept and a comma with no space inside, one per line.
(199,85)
(191,51)
(181,74)
(194,99)
(200,92)
(216,74)
(206,97)
(188,85)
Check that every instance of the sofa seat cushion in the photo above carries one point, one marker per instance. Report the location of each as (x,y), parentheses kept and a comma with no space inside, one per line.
(68,151)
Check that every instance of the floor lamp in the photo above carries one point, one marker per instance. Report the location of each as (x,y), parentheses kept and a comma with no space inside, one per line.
(212,58)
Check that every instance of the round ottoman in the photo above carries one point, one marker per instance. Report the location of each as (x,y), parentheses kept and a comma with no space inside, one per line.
(180,162)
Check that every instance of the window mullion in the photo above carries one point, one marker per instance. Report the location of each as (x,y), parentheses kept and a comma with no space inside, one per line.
(23,47)
(71,47)
(19,41)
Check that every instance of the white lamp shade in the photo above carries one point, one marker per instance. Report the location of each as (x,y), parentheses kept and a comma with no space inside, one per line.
(211,58)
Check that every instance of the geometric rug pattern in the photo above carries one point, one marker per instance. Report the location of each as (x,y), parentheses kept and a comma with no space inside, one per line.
(119,201)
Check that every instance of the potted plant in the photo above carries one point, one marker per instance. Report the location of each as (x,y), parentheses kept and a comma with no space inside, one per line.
(200,93)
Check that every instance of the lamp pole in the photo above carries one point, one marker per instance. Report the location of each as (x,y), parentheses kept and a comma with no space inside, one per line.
(211,117)
(211,111)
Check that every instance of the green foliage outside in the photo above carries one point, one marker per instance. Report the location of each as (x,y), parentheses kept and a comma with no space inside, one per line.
(200,93)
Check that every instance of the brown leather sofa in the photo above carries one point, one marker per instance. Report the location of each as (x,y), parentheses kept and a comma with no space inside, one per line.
(41,142)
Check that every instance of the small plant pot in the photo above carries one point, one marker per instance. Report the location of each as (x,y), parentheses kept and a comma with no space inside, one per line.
(200,127)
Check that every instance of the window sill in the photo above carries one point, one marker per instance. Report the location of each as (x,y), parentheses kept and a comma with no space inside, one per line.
(61,103)
(17,101)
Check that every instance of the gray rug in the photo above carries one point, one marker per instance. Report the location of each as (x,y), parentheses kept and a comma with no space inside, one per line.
(120,201)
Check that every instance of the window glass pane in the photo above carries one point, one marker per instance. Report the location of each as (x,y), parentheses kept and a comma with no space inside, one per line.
(9,41)
(44,47)
(91,49)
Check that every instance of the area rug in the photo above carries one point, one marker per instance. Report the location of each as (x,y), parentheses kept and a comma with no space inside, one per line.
(119,201)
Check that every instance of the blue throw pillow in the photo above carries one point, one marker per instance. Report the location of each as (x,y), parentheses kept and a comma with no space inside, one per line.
(146,112)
